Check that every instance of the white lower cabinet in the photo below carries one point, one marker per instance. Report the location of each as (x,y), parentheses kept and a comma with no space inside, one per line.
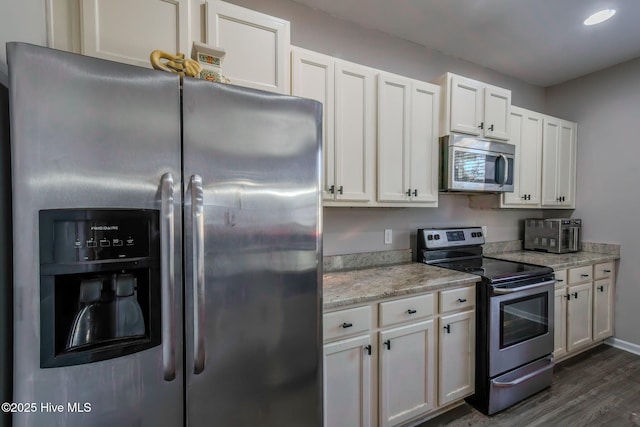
(456,371)
(385,364)
(407,372)
(583,308)
(347,382)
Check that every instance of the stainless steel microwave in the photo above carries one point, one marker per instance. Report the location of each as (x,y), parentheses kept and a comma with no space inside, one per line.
(473,164)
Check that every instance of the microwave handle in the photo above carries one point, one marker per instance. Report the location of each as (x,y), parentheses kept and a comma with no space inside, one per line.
(506,169)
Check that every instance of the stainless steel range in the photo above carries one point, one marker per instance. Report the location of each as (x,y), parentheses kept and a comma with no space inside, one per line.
(514,316)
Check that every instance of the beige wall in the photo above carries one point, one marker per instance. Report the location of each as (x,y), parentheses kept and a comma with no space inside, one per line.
(606,106)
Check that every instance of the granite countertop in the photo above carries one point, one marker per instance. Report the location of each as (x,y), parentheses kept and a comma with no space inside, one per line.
(361,286)
(556,261)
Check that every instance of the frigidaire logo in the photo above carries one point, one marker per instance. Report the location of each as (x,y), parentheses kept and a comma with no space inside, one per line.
(104,227)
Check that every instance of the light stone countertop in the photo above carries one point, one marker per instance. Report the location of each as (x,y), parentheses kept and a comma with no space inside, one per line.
(346,288)
(556,261)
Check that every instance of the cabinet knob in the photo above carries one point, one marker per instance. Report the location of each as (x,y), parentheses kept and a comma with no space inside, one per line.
(584,275)
(559,280)
(601,288)
(575,295)
(410,311)
(408,192)
(481,125)
(568,296)
(367,348)
(347,325)
(462,300)
(491,128)
(415,193)
(606,271)
(332,189)
(387,344)
(340,189)
(447,328)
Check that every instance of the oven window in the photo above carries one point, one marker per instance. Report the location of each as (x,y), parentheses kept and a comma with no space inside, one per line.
(523,319)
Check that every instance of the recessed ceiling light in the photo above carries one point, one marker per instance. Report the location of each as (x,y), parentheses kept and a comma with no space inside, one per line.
(599,17)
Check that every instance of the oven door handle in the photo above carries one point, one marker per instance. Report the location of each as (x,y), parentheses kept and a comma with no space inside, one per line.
(501,291)
(526,377)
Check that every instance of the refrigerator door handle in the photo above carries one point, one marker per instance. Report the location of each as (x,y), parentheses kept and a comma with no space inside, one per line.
(197,218)
(167,262)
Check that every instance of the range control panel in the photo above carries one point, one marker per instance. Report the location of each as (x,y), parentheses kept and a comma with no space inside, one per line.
(95,234)
(438,238)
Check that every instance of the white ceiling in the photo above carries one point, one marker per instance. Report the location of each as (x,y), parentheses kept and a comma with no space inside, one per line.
(542,42)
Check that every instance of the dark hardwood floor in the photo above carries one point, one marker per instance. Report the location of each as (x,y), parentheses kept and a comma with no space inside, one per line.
(600,387)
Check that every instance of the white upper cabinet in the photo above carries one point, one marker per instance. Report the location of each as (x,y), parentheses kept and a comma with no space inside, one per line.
(407,140)
(473,107)
(526,135)
(558,163)
(119,30)
(256,45)
(347,92)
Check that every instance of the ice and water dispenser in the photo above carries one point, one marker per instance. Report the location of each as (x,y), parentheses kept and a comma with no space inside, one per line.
(99,284)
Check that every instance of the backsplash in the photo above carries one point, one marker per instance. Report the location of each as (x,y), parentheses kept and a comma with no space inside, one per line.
(332,263)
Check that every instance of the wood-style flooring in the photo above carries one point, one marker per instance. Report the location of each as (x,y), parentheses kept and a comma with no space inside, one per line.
(600,387)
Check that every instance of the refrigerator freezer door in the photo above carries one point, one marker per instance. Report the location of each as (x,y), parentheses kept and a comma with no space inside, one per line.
(88,133)
(252,257)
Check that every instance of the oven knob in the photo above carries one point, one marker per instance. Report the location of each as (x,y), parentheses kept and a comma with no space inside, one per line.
(473,234)
(430,237)
(436,236)
(479,234)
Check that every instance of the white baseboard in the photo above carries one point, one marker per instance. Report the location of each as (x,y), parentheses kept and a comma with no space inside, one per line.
(623,345)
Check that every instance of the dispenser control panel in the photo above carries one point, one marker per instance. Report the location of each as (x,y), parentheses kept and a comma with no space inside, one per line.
(96,234)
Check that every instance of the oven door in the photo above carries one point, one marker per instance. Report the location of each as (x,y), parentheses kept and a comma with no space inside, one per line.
(520,325)
(480,170)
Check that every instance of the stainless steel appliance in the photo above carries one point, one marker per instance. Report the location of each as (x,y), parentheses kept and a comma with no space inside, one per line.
(166,248)
(514,316)
(469,163)
(557,235)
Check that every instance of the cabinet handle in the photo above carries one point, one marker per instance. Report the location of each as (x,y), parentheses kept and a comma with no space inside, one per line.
(447,328)
(481,125)
(575,295)
(409,192)
(584,275)
(491,128)
(347,325)
(340,189)
(387,344)
(367,348)
(462,300)
(568,297)
(607,271)
(415,193)
(332,189)
(601,288)
(559,280)
(410,311)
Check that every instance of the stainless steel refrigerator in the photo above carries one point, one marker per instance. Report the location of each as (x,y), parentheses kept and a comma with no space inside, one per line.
(166,248)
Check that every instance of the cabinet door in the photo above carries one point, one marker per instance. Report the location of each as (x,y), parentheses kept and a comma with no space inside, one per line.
(456,370)
(257,46)
(602,309)
(466,113)
(423,147)
(407,372)
(313,77)
(526,135)
(497,106)
(393,138)
(550,161)
(347,383)
(354,132)
(579,316)
(567,164)
(126,31)
(560,323)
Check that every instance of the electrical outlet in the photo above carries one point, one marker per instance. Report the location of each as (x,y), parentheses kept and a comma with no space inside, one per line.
(484,232)
(388,236)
